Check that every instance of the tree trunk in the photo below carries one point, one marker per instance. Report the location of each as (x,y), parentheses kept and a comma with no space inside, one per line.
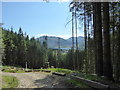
(94,35)
(85,32)
(117,51)
(98,39)
(73,41)
(107,51)
(85,36)
(113,32)
(76,41)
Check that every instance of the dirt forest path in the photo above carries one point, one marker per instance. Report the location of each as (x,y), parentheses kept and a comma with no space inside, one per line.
(38,80)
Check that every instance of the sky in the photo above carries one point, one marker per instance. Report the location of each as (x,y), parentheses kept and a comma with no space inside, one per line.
(38,18)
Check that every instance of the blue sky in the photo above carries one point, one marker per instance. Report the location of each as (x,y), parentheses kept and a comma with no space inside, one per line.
(38,18)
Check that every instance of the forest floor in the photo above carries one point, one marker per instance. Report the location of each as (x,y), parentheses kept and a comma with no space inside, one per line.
(38,80)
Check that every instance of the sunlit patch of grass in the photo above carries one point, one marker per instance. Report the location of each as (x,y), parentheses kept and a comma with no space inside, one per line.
(9,82)
(61,70)
(13,69)
(10,67)
(20,71)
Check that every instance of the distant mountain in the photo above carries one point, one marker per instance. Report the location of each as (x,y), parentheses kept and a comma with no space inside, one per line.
(64,43)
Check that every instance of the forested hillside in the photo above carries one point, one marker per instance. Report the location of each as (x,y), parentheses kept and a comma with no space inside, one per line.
(53,42)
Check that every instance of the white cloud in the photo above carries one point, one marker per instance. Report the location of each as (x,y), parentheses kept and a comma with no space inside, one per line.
(62,36)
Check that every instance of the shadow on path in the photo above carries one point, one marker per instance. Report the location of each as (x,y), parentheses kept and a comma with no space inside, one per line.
(51,81)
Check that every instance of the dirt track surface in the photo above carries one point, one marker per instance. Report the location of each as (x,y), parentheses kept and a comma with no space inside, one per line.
(38,80)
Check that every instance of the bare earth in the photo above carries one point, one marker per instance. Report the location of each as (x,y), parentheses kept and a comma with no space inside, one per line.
(38,80)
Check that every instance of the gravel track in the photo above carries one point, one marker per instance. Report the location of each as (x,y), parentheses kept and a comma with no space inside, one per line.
(38,80)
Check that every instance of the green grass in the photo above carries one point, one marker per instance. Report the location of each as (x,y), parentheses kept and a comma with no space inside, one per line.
(20,71)
(9,67)
(12,69)
(76,83)
(90,77)
(61,70)
(9,82)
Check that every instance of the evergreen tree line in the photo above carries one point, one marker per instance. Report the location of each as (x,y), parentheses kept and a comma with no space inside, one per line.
(19,50)
(101,22)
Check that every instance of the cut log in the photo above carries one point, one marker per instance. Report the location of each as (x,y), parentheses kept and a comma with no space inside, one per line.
(91,83)
(59,74)
(3,70)
(45,71)
(36,70)
(28,70)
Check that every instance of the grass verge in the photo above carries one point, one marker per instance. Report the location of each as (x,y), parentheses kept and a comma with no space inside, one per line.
(90,77)
(9,82)
(13,69)
(76,84)
(61,70)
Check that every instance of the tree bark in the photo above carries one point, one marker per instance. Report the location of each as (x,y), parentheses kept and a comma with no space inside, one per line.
(94,35)
(85,37)
(98,38)
(85,32)
(73,41)
(76,41)
(107,51)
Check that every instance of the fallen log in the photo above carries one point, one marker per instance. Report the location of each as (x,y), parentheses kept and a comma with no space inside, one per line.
(3,70)
(28,70)
(59,74)
(36,70)
(45,71)
(90,83)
